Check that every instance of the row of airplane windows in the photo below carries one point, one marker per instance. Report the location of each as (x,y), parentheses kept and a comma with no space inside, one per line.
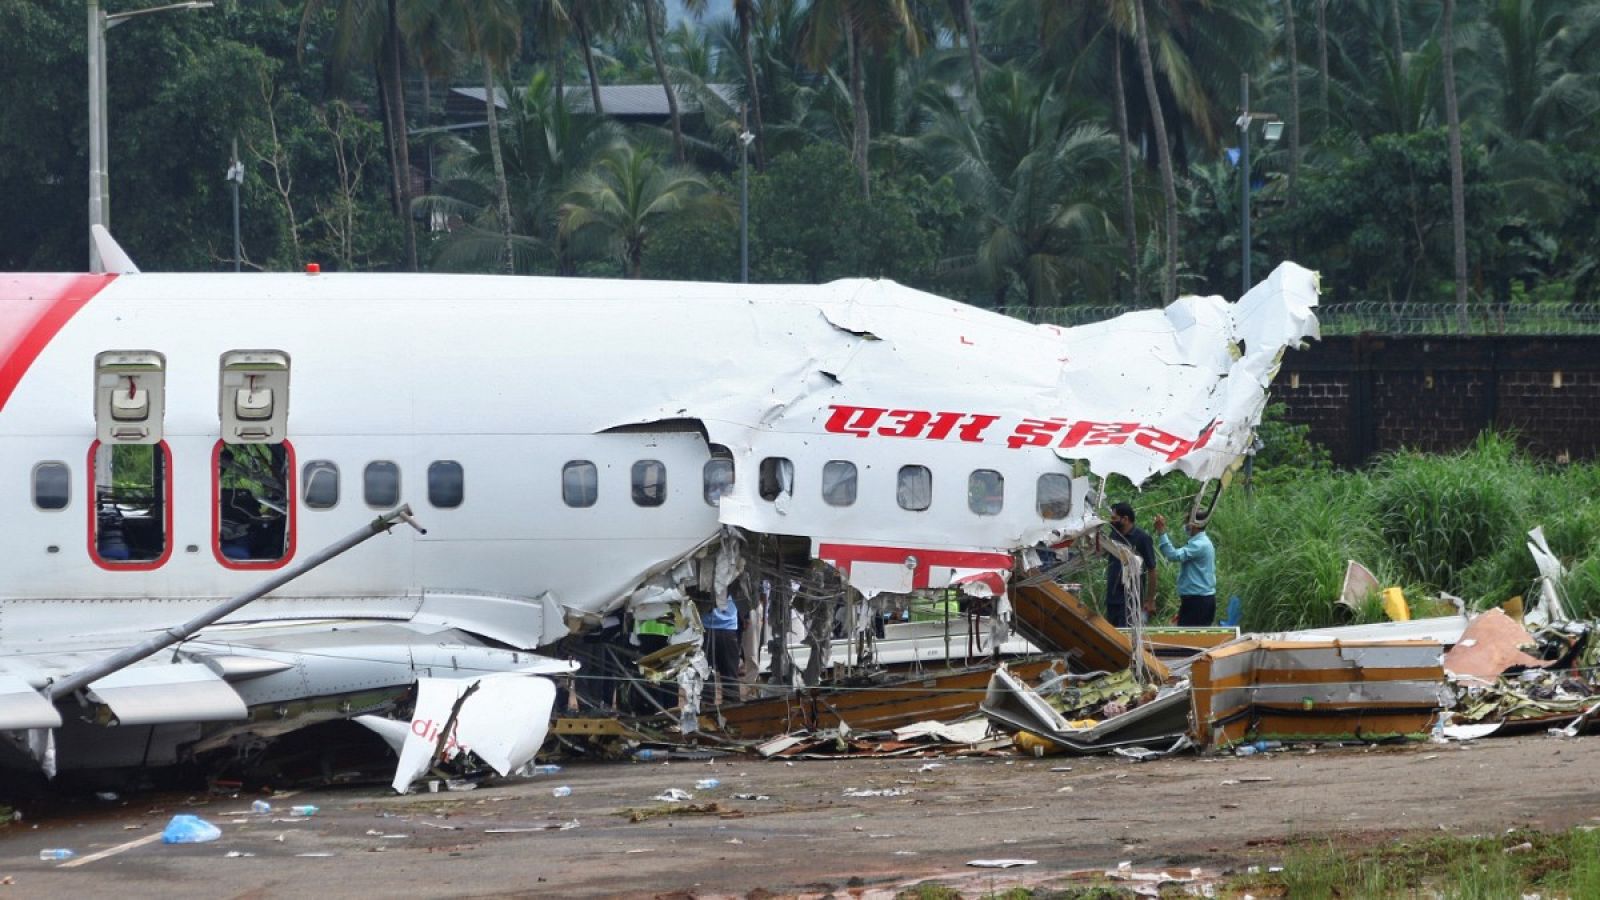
(52,484)
(580,485)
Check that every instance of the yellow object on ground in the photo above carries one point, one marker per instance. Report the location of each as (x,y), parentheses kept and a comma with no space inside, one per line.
(1514,608)
(1030,744)
(1394,605)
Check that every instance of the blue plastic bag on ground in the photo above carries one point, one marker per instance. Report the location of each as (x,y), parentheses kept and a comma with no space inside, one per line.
(186,829)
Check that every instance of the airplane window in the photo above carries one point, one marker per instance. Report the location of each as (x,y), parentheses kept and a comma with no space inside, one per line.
(838,482)
(446,484)
(649,483)
(986,492)
(776,478)
(382,484)
(130,503)
(1055,496)
(914,491)
(718,480)
(252,515)
(580,483)
(321,478)
(52,485)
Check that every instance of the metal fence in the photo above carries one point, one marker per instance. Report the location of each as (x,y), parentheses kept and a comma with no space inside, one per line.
(1382,318)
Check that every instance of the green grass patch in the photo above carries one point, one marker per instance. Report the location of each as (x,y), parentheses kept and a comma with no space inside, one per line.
(1427,523)
(1558,864)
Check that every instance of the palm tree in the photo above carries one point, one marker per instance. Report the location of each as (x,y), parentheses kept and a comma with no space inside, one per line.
(1542,57)
(860,25)
(546,150)
(1399,35)
(745,12)
(592,19)
(367,32)
(1034,167)
(626,197)
(1322,59)
(493,34)
(1130,226)
(1292,41)
(551,24)
(649,9)
(1169,192)
(962,16)
(1458,205)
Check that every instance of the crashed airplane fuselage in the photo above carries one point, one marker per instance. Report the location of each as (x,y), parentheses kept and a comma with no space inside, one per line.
(574,447)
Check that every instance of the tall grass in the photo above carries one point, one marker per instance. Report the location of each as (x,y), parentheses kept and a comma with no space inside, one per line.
(1424,522)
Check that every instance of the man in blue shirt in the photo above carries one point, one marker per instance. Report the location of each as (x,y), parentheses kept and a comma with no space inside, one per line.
(722,648)
(1197,573)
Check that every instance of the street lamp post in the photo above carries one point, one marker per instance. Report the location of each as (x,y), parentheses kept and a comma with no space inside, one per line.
(235,177)
(745,137)
(1274,128)
(99,175)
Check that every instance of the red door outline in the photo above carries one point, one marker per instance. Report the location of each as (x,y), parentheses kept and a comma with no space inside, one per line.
(216,515)
(166,515)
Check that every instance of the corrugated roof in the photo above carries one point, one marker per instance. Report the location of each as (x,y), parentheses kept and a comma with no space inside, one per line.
(622,100)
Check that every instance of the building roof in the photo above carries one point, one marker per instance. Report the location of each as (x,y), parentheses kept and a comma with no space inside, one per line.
(619,100)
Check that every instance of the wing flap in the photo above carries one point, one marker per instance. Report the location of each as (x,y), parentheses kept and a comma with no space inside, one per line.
(160,694)
(23,707)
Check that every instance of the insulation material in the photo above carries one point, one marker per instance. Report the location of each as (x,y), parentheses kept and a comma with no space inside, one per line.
(1316,690)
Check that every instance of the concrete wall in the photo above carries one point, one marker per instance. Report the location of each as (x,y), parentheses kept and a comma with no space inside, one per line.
(1367,394)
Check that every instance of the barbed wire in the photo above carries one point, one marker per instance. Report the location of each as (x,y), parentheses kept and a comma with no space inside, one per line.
(1380,317)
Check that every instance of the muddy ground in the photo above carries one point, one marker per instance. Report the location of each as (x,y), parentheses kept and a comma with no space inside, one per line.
(809,838)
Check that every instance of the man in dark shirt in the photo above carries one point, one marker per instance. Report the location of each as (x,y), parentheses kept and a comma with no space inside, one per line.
(1123,531)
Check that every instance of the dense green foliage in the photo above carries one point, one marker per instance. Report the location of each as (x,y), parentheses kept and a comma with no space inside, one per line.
(973,149)
(1427,523)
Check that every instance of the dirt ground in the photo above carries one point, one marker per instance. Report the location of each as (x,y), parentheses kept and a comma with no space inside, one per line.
(1070,815)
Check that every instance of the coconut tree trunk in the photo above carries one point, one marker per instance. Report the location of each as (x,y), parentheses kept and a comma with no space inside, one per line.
(502,189)
(1294,99)
(1129,223)
(666,83)
(859,116)
(974,53)
(396,102)
(588,63)
(1458,203)
(390,145)
(1169,190)
(753,91)
(1399,37)
(1322,60)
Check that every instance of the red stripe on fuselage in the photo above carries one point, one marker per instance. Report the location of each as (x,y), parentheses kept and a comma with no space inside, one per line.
(33,308)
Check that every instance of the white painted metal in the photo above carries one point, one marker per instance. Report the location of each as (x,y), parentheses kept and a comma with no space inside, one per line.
(511,378)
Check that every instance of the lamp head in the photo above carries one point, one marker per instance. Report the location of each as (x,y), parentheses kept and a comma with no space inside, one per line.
(1273,131)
